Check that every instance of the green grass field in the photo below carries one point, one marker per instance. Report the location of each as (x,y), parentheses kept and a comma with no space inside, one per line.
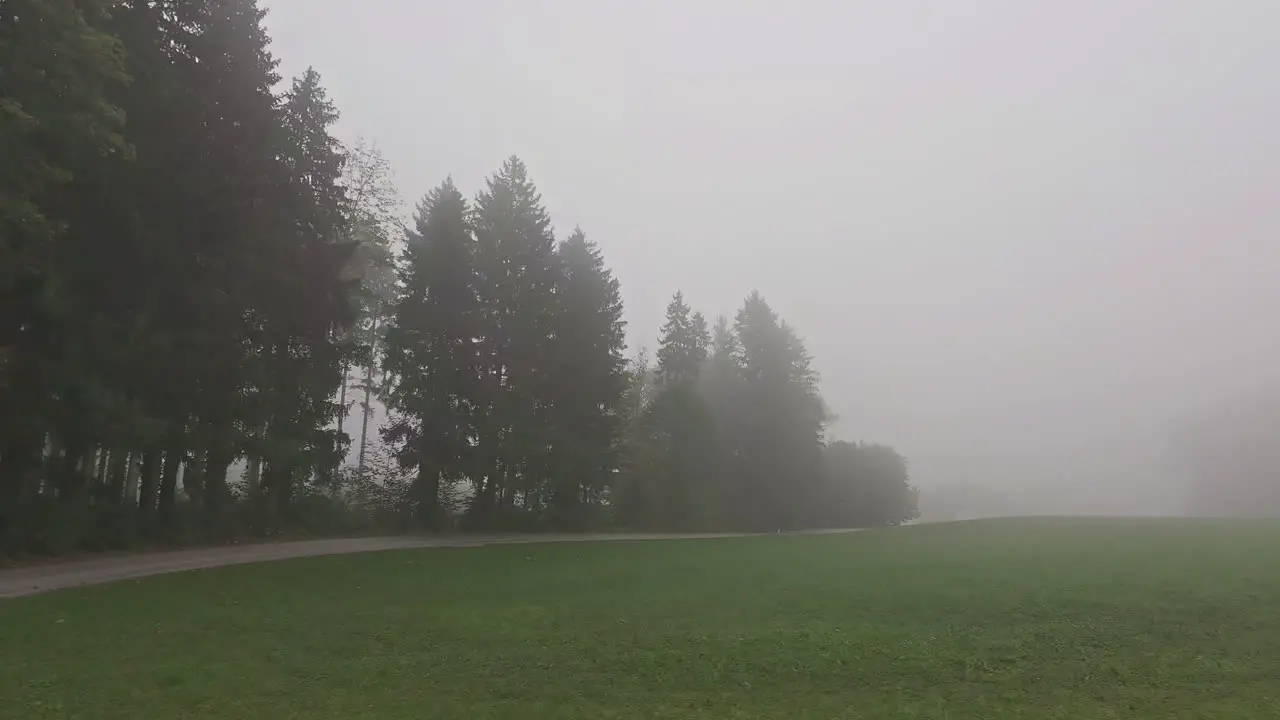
(1068,619)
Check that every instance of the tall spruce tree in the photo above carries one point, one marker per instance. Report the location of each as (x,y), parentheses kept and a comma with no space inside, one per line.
(156,203)
(588,381)
(302,338)
(517,272)
(246,225)
(671,480)
(724,349)
(431,353)
(61,71)
(779,436)
(128,212)
(722,387)
(682,347)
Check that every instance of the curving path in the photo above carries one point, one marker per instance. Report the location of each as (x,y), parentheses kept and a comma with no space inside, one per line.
(33,580)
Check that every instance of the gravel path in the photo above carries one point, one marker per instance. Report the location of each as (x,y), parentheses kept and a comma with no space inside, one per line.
(33,580)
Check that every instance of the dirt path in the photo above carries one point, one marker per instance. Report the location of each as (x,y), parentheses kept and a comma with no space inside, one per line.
(45,578)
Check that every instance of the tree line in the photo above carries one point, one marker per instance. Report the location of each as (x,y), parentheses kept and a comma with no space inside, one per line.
(725,432)
(198,281)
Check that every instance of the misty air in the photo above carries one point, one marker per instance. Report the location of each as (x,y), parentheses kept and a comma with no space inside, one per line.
(586,359)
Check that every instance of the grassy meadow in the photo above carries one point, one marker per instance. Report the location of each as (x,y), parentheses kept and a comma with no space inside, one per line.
(1043,618)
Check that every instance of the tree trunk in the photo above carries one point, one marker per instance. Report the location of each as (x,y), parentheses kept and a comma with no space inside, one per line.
(342,395)
(19,481)
(279,481)
(269,488)
(342,411)
(89,466)
(285,496)
(368,389)
(20,466)
(100,476)
(253,476)
(428,487)
(73,498)
(131,479)
(23,439)
(193,476)
(482,504)
(69,478)
(50,482)
(116,471)
(150,482)
(174,454)
(215,475)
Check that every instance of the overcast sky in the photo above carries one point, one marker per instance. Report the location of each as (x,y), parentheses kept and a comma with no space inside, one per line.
(1018,236)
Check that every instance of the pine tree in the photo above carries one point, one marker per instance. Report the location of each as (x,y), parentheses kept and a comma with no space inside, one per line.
(517,272)
(722,386)
(249,224)
(673,464)
(142,226)
(588,380)
(301,338)
(682,347)
(156,210)
(672,484)
(725,349)
(431,355)
(61,69)
(313,156)
(779,436)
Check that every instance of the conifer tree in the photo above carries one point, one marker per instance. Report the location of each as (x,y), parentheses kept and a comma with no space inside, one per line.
(517,273)
(61,71)
(249,223)
(431,352)
(588,382)
(302,340)
(682,347)
(779,438)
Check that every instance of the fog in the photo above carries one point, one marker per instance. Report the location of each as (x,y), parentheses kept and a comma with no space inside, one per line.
(1020,238)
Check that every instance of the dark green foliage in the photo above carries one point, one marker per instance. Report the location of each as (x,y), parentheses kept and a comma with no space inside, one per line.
(682,347)
(778,445)
(676,460)
(724,348)
(192,265)
(504,361)
(61,70)
(517,274)
(867,485)
(301,333)
(588,383)
(431,355)
(733,437)
(187,315)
